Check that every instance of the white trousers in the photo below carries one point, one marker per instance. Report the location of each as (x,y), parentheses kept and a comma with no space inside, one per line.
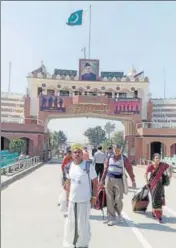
(77,226)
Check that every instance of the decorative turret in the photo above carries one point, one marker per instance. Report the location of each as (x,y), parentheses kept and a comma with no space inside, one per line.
(40,72)
(132,72)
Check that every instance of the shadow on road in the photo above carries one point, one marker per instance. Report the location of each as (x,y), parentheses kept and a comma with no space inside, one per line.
(170,220)
(98,217)
(148,226)
(166,220)
(156,227)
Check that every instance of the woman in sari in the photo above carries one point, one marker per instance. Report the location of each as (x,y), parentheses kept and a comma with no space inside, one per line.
(156,181)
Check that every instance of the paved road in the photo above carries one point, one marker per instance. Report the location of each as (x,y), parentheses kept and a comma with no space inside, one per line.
(31,218)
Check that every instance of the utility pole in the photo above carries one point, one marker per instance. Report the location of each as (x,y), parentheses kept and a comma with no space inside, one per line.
(10,65)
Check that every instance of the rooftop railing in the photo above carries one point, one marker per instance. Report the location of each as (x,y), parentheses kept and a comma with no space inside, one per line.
(21,120)
(154,125)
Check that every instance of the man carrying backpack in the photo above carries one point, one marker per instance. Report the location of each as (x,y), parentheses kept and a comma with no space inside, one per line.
(81,186)
(67,159)
(114,173)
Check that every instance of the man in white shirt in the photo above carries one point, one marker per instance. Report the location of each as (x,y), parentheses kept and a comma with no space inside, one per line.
(99,160)
(81,186)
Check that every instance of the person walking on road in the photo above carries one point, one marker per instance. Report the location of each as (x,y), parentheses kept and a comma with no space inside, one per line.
(67,159)
(109,152)
(99,160)
(156,182)
(81,186)
(114,184)
(94,150)
(86,154)
(22,156)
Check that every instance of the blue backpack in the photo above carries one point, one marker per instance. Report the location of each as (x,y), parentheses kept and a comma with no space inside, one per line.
(67,169)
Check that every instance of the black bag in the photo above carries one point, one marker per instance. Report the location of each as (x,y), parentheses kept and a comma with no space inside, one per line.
(140,200)
(165,179)
(142,194)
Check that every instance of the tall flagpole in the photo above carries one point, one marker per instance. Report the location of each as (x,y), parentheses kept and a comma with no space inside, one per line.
(84,52)
(9,77)
(90,22)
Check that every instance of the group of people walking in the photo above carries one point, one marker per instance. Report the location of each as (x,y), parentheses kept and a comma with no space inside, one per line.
(82,179)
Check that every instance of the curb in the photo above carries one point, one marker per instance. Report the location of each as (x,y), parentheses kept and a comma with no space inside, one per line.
(22,174)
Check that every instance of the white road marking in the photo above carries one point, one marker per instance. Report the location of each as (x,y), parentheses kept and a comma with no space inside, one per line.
(136,231)
(169,210)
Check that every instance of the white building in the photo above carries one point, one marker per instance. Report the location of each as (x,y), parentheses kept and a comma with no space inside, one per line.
(164,112)
(12,107)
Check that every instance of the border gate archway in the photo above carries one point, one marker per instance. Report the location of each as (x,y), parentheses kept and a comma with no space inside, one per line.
(125,110)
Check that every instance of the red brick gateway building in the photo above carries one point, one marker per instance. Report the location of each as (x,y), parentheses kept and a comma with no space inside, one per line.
(150,124)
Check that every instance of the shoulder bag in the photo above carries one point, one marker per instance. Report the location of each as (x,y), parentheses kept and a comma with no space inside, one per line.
(124,178)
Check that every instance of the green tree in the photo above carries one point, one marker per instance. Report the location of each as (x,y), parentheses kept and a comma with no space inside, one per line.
(62,138)
(96,135)
(106,144)
(57,139)
(109,128)
(118,138)
(53,140)
(17,145)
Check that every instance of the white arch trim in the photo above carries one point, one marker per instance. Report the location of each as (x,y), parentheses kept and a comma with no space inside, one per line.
(88,115)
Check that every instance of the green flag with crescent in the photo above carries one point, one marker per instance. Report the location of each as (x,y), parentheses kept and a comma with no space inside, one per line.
(75,19)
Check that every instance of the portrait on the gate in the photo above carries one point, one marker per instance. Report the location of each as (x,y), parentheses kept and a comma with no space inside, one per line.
(88,69)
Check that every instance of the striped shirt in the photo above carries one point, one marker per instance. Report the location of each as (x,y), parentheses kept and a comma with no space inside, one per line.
(128,166)
(115,167)
(99,157)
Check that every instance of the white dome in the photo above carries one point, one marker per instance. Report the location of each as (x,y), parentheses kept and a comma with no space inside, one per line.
(132,72)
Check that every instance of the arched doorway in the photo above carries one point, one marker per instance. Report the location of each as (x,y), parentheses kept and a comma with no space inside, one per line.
(157,147)
(4,143)
(27,147)
(173,150)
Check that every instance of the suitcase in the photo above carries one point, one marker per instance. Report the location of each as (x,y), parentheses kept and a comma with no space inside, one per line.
(139,206)
(141,200)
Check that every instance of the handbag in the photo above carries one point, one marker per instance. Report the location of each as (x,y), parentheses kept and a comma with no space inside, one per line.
(63,201)
(165,179)
(124,179)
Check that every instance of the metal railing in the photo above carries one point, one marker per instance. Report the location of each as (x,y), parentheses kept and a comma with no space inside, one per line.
(163,115)
(153,125)
(21,120)
(38,122)
(149,125)
(19,166)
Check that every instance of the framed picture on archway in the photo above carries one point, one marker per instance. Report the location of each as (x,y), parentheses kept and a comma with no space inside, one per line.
(89,69)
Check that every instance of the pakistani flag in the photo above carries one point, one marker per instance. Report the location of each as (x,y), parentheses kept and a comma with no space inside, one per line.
(75,19)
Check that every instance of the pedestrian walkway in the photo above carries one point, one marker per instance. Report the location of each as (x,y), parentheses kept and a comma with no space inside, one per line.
(31,218)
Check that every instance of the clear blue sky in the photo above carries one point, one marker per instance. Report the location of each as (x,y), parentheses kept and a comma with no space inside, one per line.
(123,33)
